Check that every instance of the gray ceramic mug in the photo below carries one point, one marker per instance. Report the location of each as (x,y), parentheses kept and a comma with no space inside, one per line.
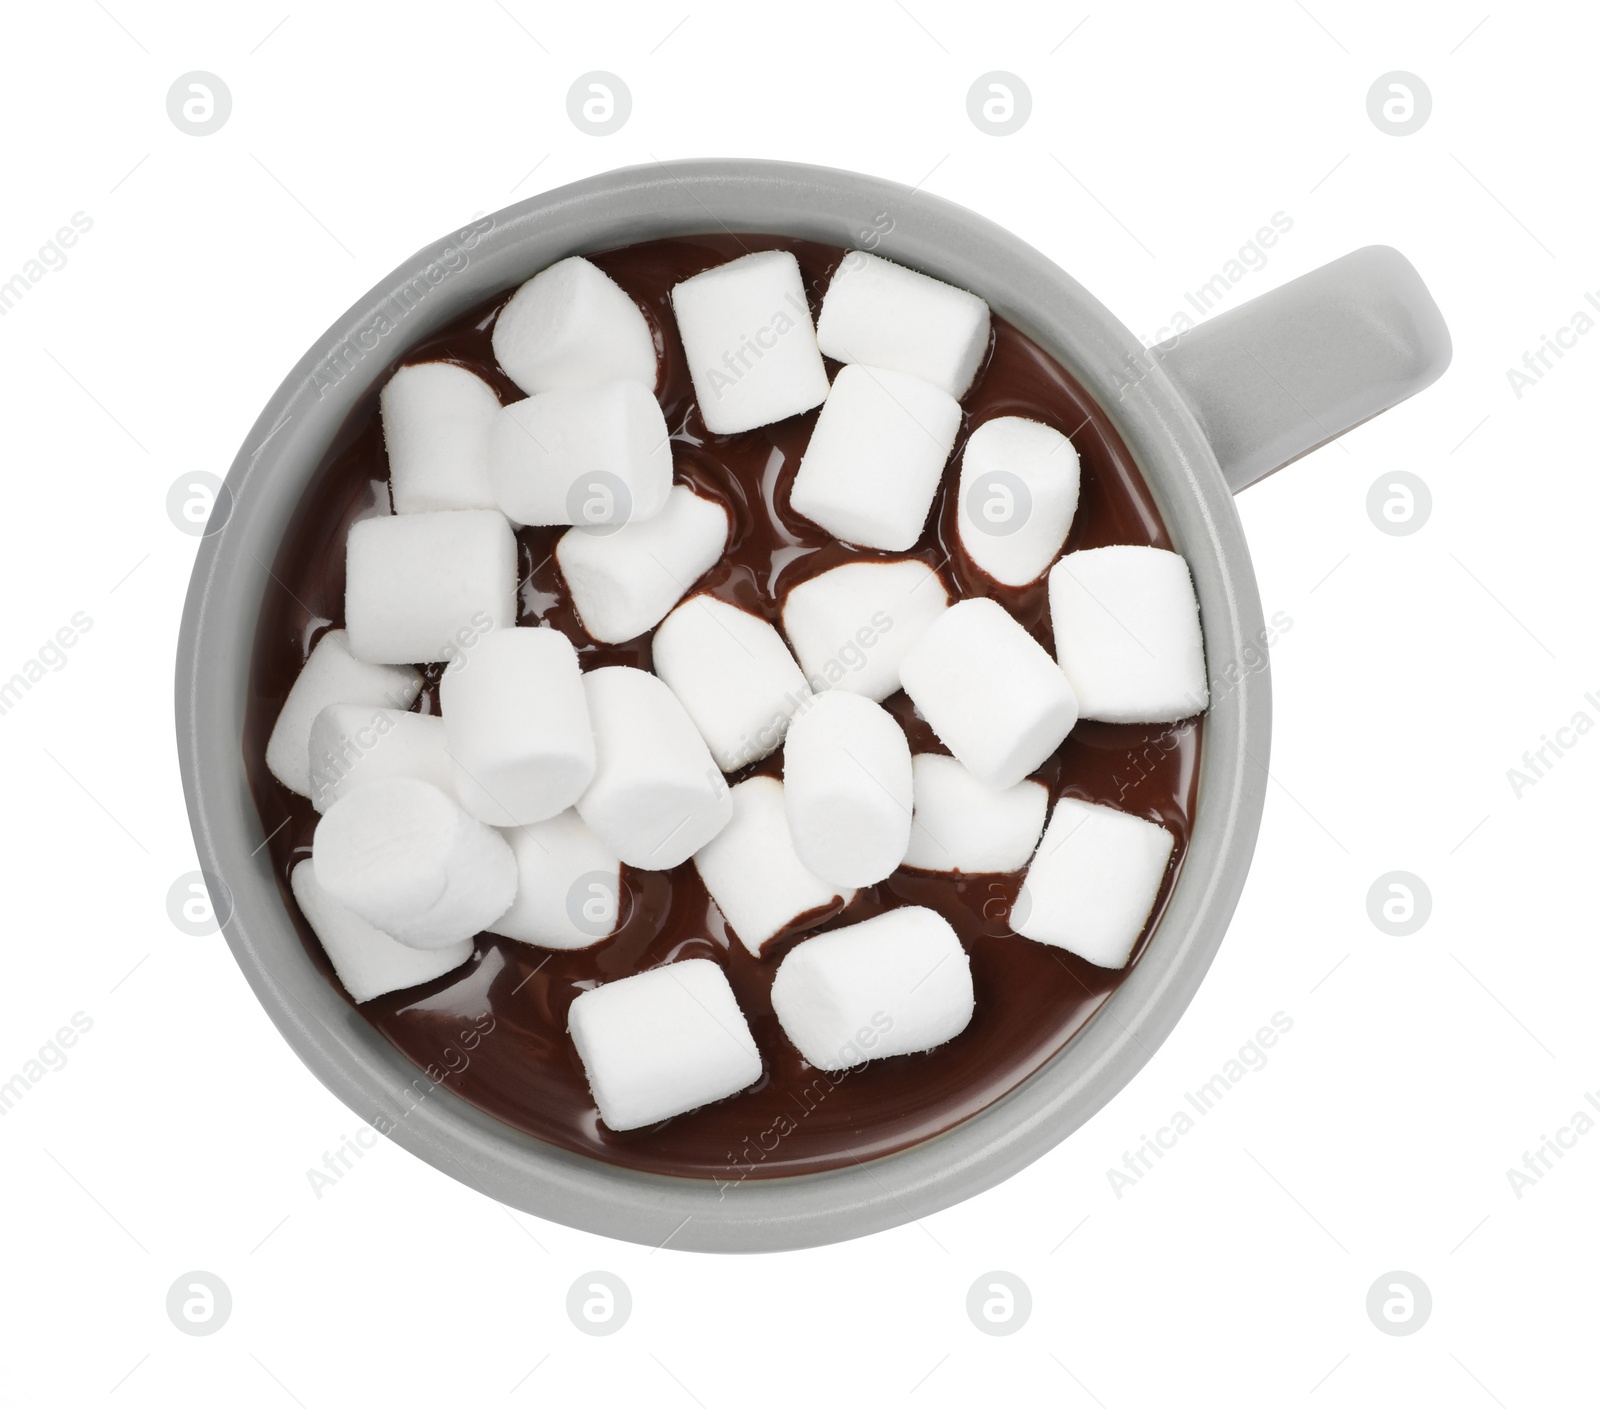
(1226,403)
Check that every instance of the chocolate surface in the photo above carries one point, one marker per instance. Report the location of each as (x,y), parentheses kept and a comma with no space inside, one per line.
(511,999)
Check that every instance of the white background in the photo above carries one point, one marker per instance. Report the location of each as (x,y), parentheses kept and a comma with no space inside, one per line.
(1418,669)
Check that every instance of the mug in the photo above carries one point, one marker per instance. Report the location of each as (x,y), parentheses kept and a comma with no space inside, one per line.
(1205,415)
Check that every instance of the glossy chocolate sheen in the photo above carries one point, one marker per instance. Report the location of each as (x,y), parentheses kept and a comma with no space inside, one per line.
(494,1031)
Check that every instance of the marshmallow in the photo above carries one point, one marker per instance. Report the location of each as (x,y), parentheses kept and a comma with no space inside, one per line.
(436,419)
(1017,496)
(751,870)
(733,674)
(663,1042)
(368,962)
(418,587)
(751,349)
(624,580)
(405,858)
(657,796)
(990,691)
(1127,629)
(847,789)
(872,467)
(897,983)
(331,675)
(889,316)
(960,824)
(571,326)
(518,726)
(851,626)
(356,744)
(581,455)
(569,885)
(1091,887)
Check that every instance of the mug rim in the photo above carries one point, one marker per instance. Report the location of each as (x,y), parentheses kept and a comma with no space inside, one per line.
(266,482)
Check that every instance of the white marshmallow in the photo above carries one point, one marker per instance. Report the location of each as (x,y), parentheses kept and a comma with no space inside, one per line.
(747,335)
(753,873)
(571,325)
(331,675)
(569,885)
(436,419)
(663,1042)
(851,626)
(1091,887)
(418,587)
(847,789)
(990,691)
(368,962)
(657,795)
(1127,629)
(889,316)
(356,744)
(405,858)
(581,455)
(518,726)
(960,824)
(897,983)
(624,580)
(1017,496)
(873,464)
(733,674)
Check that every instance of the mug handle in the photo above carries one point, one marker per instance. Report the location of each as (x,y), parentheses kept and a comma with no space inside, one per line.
(1292,369)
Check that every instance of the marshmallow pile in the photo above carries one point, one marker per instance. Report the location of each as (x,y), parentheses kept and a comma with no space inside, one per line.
(515,807)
